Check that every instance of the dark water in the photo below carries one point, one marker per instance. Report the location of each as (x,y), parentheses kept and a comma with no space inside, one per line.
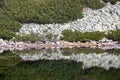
(12,67)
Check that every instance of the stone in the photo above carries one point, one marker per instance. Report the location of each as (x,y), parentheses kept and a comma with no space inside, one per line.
(118,27)
(1,41)
(1,51)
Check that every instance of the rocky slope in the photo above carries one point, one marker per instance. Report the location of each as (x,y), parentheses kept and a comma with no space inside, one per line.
(107,18)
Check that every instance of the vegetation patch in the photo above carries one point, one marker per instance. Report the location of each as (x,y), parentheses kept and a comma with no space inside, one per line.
(70,35)
(114,35)
(111,1)
(35,38)
(6,34)
(9,59)
(32,38)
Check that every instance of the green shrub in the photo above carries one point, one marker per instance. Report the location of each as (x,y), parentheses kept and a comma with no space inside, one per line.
(1,3)
(48,11)
(94,4)
(31,37)
(10,25)
(114,35)
(94,35)
(51,37)
(34,38)
(6,34)
(9,59)
(111,1)
(43,11)
(70,35)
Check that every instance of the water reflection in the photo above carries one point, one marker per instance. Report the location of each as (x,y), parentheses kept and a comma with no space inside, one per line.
(61,64)
(89,58)
(58,70)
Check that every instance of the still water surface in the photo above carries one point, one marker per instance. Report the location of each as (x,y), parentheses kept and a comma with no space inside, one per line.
(60,64)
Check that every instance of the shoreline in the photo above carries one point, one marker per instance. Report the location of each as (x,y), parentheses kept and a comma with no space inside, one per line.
(11,45)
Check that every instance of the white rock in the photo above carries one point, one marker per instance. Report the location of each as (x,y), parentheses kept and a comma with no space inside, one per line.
(1,41)
(1,51)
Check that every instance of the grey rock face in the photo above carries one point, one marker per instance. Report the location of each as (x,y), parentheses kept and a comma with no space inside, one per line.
(107,18)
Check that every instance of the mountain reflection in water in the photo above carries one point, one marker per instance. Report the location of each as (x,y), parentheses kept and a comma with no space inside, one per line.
(61,64)
(104,59)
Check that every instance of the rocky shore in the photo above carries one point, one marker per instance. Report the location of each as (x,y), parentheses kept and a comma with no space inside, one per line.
(103,44)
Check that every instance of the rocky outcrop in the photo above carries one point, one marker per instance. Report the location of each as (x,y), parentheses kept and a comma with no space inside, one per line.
(107,18)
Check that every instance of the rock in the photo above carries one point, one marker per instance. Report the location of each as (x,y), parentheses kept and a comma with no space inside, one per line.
(4,44)
(118,27)
(1,41)
(1,51)
(20,45)
(105,40)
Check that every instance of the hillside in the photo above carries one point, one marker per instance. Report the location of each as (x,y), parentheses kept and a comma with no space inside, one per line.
(14,13)
(105,19)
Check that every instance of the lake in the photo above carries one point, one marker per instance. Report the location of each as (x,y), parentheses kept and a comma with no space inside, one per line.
(60,64)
